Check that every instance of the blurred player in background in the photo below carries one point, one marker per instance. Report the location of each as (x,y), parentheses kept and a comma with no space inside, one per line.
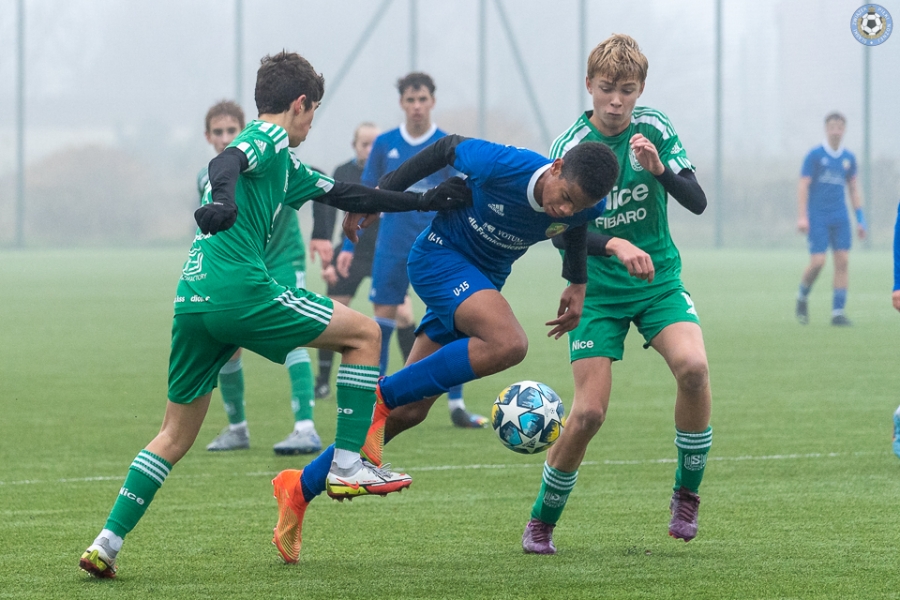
(390,282)
(822,215)
(641,285)
(285,259)
(342,284)
(226,300)
(895,298)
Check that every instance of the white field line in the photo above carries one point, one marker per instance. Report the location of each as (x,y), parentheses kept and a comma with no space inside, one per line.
(587,463)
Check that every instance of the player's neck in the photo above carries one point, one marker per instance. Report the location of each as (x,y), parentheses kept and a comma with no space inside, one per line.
(281,119)
(418,129)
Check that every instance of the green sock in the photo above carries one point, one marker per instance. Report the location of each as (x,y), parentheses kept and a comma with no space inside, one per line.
(231,385)
(356,403)
(146,475)
(693,449)
(554,494)
(302,394)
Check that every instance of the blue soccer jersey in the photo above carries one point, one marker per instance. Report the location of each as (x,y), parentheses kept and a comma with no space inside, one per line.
(504,219)
(829,171)
(389,151)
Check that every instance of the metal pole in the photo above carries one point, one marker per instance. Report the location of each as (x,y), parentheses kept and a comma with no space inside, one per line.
(238,50)
(482,68)
(718,130)
(351,58)
(582,52)
(413,35)
(20,128)
(523,73)
(867,139)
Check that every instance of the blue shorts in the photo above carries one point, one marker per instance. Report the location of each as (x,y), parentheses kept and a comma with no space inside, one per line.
(396,235)
(389,279)
(829,230)
(443,279)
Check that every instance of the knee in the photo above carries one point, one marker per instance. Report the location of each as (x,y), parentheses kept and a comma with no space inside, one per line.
(587,420)
(693,375)
(511,350)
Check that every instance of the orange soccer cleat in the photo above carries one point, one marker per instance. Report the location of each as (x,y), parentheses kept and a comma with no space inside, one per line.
(291,508)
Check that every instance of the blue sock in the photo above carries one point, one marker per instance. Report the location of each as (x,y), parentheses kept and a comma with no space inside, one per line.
(431,376)
(455,393)
(387,329)
(804,291)
(839,300)
(312,480)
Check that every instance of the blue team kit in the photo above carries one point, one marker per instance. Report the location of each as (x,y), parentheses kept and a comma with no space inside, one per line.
(828,170)
(473,248)
(398,231)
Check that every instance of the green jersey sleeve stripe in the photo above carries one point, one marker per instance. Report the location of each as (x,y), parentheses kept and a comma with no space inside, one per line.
(655,122)
(250,152)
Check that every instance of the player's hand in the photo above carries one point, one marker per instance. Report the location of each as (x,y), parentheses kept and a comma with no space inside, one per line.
(803,225)
(215,217)
(571,303)
(344,260)
(323,248)
(646,154)
(638,262)
(353,222)
(861,232)
(895,297)
(329,274)
(448,195)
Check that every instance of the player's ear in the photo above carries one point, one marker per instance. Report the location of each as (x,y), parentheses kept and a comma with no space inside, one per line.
(299,105)
(556,167)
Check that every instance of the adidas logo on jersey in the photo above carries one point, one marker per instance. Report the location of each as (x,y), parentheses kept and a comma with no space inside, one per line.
(676,148)
(497,208)
(261,145)
(394,153)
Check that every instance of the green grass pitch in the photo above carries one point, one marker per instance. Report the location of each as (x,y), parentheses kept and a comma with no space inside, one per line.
(799,501)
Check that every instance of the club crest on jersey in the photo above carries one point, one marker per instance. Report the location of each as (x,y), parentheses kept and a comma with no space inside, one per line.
(635,165)
(556,229)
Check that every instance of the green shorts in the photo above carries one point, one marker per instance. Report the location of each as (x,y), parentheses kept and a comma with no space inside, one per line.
(203,342)
(603,327)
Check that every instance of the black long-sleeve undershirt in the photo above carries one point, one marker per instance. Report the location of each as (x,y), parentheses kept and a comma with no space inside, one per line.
(225,169)
(685,188)
(430,160)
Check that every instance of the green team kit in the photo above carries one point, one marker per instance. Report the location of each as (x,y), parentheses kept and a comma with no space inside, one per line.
(227,297)
(637,212)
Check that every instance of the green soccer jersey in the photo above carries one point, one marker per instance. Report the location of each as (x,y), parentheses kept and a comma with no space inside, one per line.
(285,247)
(228,270)
(636,209)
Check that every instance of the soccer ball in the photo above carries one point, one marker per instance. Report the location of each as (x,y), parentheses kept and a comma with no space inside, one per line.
(871,24)
(528,417)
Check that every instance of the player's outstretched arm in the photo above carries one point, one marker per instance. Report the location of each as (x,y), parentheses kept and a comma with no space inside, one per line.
(430,160)
(221,213)
(638,262)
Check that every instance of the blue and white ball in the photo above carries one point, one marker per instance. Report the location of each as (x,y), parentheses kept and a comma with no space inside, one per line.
(528,417)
